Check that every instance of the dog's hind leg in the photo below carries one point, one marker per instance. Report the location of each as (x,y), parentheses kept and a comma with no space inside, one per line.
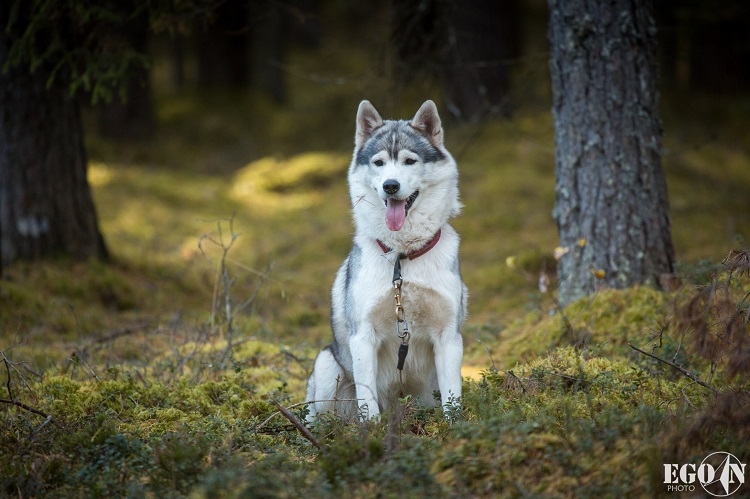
(329,388)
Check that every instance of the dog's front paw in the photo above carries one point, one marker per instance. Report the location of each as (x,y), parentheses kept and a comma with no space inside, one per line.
(369,411)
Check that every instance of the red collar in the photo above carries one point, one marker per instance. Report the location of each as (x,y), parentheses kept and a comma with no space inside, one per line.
(414,254)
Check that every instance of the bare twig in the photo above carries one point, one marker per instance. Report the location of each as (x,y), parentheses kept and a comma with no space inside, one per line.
(76,359)
(46,421)
(183,359)
(566,322)
(262,279)
(336,393)
(113,335)
(300,426)
(269,418)
(542,282)
(7,369)
(516,381)
(489,353)
(12,365)
(12,400)
(8,366)
(224,282)
(679,368)
(25,407)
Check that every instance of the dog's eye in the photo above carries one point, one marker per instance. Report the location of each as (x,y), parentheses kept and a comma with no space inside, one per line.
(378,162)
(409,161)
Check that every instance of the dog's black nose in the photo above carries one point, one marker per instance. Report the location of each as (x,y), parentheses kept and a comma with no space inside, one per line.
(391,186)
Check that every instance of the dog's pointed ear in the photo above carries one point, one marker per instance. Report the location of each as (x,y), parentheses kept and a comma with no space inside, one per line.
(368,120)
(427,121)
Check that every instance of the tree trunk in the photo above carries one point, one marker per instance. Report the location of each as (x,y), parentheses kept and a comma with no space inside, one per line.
(482,37)
(468,45)
(45,202)
(131,116)
(268,42)
(222,47)
(703,39)
(611,195)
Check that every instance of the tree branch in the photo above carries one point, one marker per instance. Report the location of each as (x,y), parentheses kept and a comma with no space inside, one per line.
(13,401)
(26,407)
(679,368)
(113,335)
(301,427)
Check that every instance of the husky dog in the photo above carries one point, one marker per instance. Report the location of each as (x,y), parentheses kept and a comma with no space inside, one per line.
(403,185)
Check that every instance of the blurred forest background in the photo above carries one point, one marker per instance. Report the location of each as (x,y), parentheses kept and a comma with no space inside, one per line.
(218,176)
(246,92)
(243,111)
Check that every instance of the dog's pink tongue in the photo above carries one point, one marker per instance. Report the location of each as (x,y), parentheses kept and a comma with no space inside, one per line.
(395,213)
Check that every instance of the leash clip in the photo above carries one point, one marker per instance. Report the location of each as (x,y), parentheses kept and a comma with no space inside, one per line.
(402,327)
(402,331)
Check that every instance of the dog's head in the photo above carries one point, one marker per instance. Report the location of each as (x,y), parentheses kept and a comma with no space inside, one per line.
(402,180)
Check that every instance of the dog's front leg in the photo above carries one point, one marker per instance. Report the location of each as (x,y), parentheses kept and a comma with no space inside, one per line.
(365,367)
(449,348)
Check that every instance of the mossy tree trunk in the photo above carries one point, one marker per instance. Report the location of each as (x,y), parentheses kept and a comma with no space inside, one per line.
(611,195)
(45,201)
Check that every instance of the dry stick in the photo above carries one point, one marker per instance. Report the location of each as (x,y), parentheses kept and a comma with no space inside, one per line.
(24,406)
(47,420)
(681,369)
(301,427)
(269,418)
(7,368)
(13,401)
(518,380)
(78,359)
(489,353)
(262,278)
(227,283)
(8,364)
(113,335)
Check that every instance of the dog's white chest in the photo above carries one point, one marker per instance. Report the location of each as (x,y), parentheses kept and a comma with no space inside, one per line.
(426,311)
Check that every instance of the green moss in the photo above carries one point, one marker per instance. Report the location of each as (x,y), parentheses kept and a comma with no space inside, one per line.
(606,322)
(565,424)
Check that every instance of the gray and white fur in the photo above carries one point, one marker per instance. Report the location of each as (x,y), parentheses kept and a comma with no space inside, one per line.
(403,185)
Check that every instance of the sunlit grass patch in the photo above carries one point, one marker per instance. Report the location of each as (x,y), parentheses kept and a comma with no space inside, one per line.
(293,184)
